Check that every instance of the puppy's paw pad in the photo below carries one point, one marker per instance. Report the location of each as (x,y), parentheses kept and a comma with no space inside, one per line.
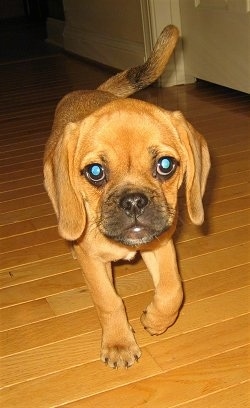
(120,355)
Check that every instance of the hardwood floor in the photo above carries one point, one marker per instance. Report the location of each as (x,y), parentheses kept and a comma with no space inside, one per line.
(50,334)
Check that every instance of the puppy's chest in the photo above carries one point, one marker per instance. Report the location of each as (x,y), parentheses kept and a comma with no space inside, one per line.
(104,249)
(130,256)
(122,254)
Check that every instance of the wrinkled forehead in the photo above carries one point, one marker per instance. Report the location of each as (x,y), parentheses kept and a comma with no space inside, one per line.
(130,126)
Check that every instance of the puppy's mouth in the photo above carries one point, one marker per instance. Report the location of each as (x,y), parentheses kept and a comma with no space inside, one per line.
(135,219)
(138,234)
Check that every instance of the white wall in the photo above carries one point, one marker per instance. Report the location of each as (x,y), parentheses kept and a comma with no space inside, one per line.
(121,34)
(216,38)
(109,32)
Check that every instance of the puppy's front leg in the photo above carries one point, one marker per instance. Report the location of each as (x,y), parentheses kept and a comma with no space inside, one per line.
(163,310)
(118,348)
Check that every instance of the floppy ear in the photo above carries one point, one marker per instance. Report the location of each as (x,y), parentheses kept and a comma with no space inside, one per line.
(197,166)
(60,184)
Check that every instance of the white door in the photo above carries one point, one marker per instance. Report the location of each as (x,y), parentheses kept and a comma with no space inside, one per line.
(216,41)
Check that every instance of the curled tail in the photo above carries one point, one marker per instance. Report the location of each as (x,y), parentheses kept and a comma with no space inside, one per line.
(134,79)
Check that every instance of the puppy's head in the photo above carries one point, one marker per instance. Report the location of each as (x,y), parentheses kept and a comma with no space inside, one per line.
(119,171)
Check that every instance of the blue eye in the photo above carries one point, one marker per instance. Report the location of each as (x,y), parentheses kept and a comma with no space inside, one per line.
(166,166)
(94,173)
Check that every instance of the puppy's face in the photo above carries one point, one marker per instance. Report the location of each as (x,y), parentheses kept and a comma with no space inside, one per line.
(130,176)
(126,163)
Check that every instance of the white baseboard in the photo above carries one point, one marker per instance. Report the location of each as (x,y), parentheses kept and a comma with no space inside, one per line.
(55,31)
(115,52)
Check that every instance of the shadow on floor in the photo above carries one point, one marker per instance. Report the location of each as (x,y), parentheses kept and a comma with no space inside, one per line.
(21,39)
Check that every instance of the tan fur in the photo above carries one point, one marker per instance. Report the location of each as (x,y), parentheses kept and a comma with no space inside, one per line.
(134,207)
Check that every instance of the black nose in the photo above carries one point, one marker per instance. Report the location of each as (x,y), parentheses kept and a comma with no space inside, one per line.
(133,204)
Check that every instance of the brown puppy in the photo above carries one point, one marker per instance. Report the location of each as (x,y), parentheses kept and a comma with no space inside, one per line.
(112,169)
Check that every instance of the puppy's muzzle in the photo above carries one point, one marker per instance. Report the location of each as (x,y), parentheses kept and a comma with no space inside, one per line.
(135,217)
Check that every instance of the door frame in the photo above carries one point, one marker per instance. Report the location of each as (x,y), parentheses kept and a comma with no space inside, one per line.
(156,14)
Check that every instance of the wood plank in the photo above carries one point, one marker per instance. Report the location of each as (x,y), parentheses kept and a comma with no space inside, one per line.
(46,287)
(24,202)
(238,147)
(10,185)
(28,112)
(21,193)
(211,243)
(216,209)
(39,252)
(192,316)
(216,137)
(38,270)
(24,314)
(29,239)
(96,370)
(229,167)
(26,135)
(215,261)
(26,138)
(227,207)
(213,226)
(233,397)
(28,226)
(13,167)
(216,283)
(227,193)
(181,349)
(21,157)
(231,179)
(19,174)
(84,348)
(230,159)
(227,369)
(21,153)
(22,214)
(201,378)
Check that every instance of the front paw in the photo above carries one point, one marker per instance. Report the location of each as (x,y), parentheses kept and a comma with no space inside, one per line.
(155,322)
(120,353)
